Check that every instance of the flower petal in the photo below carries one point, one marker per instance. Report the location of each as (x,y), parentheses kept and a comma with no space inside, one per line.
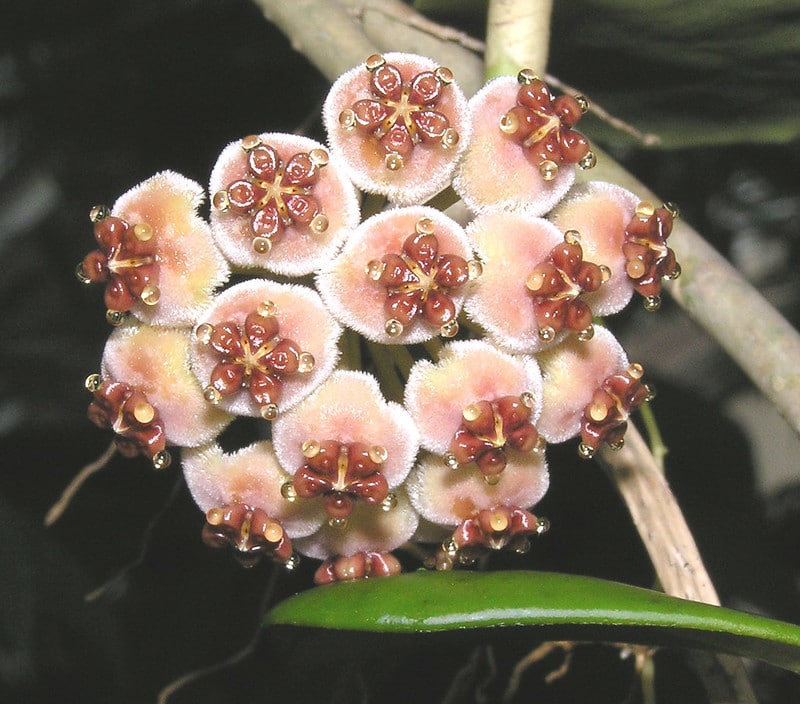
(301,317)
(304,244)
(467,372)
(427,169)
(600,212)
(190,265)
(510,246)
(358,300)
(571,372)
(250,476)
(156,361)
(368,529)
(447,497)
(491,153)
(348,408)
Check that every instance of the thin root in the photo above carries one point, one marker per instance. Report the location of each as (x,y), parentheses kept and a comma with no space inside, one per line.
(66,497)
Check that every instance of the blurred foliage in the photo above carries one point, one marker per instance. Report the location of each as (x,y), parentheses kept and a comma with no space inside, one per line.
(693,73)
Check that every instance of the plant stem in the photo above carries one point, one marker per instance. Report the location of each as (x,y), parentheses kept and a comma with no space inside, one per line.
(517,36)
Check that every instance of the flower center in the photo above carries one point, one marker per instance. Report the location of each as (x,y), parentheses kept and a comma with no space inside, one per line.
(342,473)
(275,195)
(401,114)
(648,258)
(136,422)
(127,260)
(420,282)
(543,127)
(605,418)
(252,356)
(487,428)
(250,531)
(556,286)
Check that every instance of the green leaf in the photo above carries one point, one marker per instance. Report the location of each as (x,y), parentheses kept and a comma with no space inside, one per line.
(564,607)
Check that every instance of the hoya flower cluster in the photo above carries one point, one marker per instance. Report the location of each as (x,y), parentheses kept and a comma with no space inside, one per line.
(407,368)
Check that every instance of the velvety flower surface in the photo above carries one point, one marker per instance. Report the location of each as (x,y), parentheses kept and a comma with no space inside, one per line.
(251,477)
(447,497)
(600,213)
(399,122)
(347,443)
(156,362)
(156,253)
(511,248)
(571,372)
(280,203)
(402,277)
(262,346)
(481,175)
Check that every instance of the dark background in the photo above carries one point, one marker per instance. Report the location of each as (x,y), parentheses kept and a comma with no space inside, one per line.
(97,96)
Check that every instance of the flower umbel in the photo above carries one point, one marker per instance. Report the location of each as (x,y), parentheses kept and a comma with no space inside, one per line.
(341,474)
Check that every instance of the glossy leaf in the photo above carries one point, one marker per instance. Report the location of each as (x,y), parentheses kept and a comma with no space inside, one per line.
(566,607)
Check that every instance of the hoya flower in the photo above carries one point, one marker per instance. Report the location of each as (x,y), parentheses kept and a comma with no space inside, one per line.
(280,202)
(649,259)
(262,346)
(532,291)
(241,496)
(600,212)
(479,515)
(349,445)
(147,394)
(156,254)
(402,277)
(589,389)
(479,405)
(519,130)
(399,122)
(362,548)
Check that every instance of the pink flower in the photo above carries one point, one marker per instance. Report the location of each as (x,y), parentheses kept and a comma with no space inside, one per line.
(281,203)
(477,404)
(402,277)
(519,131)
(589,389)
(262,346)
(600,212)
(156,254)
(241,494)
(346,443)
(534,283)
(399,123)
(146,381)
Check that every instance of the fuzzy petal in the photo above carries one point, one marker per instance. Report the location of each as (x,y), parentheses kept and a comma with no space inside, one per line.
(368,529)
(447,497)
(349,407)
(429,166)
(156,361)
(191,267)
(571,372)
(300,250)
(302,318)
(483,178)
(510,246)
(251,476)
(600,212)
(468,371)
(358,301)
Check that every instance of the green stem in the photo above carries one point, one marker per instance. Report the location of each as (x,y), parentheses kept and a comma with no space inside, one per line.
(391,381)
(656,440)
(517,36)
